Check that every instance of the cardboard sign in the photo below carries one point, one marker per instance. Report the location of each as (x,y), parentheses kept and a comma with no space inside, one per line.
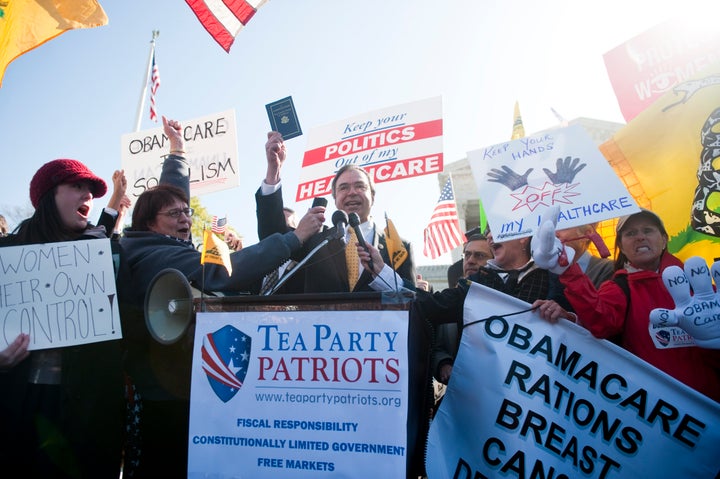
(61,294)
(518,180)
(210,148)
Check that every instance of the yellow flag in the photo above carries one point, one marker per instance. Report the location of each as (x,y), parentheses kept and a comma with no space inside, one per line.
(27,24)
(518,130)
(396,249)
(215,251)
(669,159)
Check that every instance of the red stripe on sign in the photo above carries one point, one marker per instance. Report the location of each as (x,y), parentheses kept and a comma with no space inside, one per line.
(390,171)
(408,168)
(372,141)
(311,189)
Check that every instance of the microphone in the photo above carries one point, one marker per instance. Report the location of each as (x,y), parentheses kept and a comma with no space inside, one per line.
(355,224)
(340,220)
(319,201)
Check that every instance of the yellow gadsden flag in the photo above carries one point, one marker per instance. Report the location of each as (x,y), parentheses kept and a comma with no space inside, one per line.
(26,24)
(669,159)
(215,251)
(396,249)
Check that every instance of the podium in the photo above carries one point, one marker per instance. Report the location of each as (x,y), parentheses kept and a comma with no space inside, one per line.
(420,397)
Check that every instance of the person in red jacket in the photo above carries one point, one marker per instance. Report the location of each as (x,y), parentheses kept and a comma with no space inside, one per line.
(621,307)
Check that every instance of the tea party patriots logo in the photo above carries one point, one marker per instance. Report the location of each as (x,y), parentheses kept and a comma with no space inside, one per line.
(225,357)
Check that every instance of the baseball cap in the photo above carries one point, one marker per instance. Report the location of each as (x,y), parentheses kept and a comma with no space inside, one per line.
(644,212)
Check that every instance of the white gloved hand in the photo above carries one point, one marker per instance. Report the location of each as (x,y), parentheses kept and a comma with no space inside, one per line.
(547,251)
(698,314)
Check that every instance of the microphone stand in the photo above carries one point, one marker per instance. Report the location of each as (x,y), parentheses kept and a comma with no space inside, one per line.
(339,220)
(299,265)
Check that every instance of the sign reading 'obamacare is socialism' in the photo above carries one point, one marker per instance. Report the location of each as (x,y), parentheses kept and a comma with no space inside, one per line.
(210,149)
(394,143)
(299,394)
(532,399)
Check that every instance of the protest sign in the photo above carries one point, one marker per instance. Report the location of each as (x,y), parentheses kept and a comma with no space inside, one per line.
(394,143)
(668,159)
(299,394)
(649,65)
(210,148)
(528,398)
(61,294)
(519,179)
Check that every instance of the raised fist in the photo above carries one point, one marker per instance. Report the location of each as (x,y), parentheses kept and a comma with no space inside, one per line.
(697,314)
(546,249)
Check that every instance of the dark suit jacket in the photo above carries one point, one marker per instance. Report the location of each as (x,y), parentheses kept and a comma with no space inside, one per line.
(325,271)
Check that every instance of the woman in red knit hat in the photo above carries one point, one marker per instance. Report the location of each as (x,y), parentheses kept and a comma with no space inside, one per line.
(61,410)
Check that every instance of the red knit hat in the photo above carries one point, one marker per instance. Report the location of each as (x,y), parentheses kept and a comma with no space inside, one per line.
(58,172)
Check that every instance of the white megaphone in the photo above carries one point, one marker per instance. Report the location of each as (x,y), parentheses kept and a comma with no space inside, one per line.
(169,306)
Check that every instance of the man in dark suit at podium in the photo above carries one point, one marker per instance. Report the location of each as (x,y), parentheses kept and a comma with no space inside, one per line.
(327,270)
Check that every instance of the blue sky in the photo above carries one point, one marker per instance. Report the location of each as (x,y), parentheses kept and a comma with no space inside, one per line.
(75,96)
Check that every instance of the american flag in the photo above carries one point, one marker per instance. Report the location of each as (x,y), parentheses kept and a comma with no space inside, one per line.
(219,225)
(443,233)
(153,89)
(224,20)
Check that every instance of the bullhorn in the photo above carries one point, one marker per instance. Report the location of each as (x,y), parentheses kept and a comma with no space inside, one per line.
(169,306)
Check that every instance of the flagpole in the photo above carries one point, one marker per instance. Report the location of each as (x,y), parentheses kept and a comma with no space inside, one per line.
(202,281)
(141,105)
(390,253)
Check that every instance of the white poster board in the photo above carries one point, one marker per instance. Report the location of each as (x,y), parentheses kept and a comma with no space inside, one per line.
(518,180)
(210,148)
(299,394)
(394,143)
(61,294)
(552,401)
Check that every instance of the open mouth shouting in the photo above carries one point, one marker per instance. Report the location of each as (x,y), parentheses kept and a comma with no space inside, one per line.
(183,233)
(84,211)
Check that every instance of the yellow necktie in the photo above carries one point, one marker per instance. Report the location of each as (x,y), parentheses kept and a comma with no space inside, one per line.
(352,260)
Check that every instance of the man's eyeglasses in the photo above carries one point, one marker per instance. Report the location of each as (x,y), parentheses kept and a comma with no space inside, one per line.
(477,255)
(177,212)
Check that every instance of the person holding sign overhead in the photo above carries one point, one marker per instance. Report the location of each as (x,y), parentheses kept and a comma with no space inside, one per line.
(328,270)
(159,238)
(61,409)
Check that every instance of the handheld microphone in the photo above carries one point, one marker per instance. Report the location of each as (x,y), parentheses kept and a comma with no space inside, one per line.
(340,220)
(355,224)
(319,201)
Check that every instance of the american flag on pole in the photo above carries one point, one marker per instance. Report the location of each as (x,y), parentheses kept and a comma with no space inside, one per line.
(223,19)
(219,225)
(155,79)
(443,233)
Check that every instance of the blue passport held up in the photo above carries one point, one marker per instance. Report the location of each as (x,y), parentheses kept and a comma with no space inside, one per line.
(283,118)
